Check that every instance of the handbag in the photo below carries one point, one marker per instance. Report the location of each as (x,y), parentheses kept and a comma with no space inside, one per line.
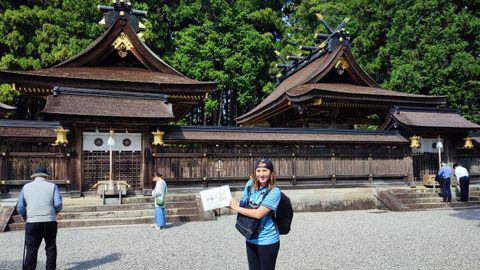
(249,227)
(159,201)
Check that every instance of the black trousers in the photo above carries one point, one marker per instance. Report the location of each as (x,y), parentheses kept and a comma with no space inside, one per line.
(262,257)
(34,233)
(464,187)
(446,191)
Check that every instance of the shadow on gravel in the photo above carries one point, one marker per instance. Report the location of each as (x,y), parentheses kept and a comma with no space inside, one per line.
(95,262)
(178,224)
(472,214)
(6,265)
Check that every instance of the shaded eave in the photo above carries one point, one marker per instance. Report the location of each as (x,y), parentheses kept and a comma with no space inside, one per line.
(475,137)
(68,105)
(352,92)
(43,81)
(428,119)
(4,106)
(243,135)
(28,129)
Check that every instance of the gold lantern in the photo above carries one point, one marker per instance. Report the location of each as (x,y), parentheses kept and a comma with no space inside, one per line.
(158,137)
(415,141)
(61,136)
(468,143)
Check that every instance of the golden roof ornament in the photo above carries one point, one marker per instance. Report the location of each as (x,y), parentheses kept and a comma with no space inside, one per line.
(61,136)
(158,137)
(415,142)
(468,143)
(122,44)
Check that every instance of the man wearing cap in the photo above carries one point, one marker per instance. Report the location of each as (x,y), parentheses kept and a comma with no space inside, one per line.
(38,203)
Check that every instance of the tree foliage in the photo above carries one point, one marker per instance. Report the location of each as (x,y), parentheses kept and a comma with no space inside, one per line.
(424,47)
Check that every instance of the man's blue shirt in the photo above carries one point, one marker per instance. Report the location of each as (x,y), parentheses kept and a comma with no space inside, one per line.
(445,171)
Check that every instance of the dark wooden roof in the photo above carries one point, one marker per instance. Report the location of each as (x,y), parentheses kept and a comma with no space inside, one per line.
(355,92)
(116,78)
(320,79)
(428,119)
(105,106)
(28,129)
(242,135)
(97,53)
(100,67)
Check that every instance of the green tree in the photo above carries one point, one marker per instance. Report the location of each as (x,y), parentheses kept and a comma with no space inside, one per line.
(219,43)
(39,34)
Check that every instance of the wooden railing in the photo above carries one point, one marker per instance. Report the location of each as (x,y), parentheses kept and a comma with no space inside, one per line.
(290,168)
(6,185)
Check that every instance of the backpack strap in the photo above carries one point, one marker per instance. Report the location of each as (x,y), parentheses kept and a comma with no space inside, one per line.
(249,193)
(262,224)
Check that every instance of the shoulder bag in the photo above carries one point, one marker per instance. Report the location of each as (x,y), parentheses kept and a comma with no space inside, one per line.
(247,226)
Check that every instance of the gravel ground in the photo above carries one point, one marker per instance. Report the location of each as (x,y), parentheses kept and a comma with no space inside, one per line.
(441,239)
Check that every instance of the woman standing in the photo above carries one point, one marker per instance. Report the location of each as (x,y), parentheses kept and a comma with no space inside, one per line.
(159,194)
(262,195)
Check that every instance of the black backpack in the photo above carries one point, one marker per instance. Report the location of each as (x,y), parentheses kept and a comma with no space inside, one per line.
(284,214)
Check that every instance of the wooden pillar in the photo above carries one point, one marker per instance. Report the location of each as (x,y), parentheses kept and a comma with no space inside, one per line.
(333,165)
(145,169)
(205,169)
(294,164)
(76,161)
(408,165)
(3,170)
(448,148)
(370,168)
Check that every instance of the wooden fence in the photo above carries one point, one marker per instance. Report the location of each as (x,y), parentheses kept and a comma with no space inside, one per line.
(312,164)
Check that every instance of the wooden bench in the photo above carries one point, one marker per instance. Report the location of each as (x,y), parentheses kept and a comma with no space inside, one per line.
(6,184)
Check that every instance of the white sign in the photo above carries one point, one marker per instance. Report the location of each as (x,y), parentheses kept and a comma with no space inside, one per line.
(101,141)
(216,198)
(429,145)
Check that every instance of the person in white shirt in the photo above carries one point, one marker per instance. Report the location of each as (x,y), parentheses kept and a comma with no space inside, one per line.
(159,194)
(463,179)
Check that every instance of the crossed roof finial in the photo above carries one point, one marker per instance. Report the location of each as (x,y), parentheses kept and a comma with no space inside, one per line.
(336,36)
(122,9)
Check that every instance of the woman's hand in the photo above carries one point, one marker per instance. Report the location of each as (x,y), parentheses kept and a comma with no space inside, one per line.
(233,204)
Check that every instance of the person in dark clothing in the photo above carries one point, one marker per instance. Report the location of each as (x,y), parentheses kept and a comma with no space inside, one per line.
(445,173)
(463,179)
(38,203)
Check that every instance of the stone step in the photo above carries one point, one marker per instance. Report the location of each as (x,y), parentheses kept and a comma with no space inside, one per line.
(433,199)
(432,205)
(169,198)
(429,193)
(131,206)
(116,214)
(110,221)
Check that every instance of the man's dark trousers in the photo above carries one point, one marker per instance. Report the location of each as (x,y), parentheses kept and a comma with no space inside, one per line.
(34,233)
(446,192)
(464,186)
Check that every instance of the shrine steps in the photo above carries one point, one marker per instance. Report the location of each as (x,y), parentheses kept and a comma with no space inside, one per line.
(426,198)
(133,210)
